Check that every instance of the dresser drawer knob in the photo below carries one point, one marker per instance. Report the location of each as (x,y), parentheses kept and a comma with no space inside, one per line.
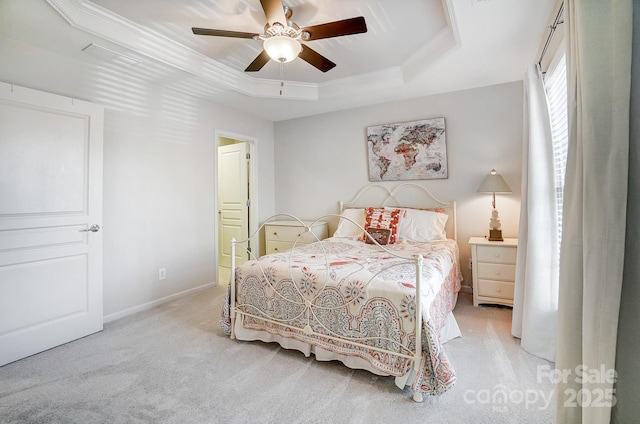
(497,255)
(275,233)
(498,290)
(497,272)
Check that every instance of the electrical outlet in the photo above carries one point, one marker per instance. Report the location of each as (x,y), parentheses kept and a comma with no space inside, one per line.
(162,273)
(470,264)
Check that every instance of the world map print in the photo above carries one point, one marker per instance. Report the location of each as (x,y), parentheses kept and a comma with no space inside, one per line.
(407,151)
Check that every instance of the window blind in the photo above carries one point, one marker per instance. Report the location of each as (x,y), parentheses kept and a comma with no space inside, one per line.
(556,88)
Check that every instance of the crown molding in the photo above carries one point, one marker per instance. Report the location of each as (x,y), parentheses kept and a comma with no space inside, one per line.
(89,17)
(94,19)
(351,86)
(446,41)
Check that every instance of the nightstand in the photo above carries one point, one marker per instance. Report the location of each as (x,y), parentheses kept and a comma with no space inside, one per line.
(281,235)
(493,265)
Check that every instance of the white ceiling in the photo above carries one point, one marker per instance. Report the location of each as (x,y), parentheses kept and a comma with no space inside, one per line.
(412,47)
(396,30)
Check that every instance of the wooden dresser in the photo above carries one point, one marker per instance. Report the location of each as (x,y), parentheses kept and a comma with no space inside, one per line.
(493,264)
(282,235)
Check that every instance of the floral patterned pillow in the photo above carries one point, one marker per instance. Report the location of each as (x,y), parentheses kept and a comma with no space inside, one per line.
(388,219)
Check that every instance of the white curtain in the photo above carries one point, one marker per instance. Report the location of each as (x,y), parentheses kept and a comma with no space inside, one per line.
(595,200)
(535,302)
(627,408)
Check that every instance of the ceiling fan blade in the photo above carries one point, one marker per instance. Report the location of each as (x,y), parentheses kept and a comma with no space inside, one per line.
(274,11)
(223,33)
(337,28)
(316,59)
(258,62)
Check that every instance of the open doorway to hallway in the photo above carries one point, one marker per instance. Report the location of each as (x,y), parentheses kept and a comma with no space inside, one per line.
(236,208)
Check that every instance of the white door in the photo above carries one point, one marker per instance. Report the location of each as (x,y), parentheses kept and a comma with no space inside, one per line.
(233,207)
(50,196)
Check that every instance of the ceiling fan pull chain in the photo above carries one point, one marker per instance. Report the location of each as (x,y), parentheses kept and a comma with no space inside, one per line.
(281,76)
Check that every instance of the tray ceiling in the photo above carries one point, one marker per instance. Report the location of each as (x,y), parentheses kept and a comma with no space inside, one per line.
(412,48)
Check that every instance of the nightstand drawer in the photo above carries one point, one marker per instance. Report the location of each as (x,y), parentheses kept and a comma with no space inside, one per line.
(290,234)
(281,235)
(502,272)
(499,289)
(497,254)
(282,246)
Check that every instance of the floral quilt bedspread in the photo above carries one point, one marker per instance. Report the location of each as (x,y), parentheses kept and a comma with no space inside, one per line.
(347,289)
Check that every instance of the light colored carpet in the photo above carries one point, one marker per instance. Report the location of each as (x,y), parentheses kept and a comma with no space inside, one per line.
(172,364)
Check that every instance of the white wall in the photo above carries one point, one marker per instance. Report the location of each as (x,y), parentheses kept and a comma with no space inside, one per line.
(159,205)
(323,159)
(159,170)
(159,166)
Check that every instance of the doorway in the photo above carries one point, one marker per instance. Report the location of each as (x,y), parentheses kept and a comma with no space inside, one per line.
(235,205)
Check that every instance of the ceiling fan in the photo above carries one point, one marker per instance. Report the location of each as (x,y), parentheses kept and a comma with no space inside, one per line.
(282,38)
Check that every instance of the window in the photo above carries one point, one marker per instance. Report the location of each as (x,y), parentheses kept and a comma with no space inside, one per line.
(556,87)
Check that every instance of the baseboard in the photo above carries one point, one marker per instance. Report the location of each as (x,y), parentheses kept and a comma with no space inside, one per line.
(466,289)
(153,304)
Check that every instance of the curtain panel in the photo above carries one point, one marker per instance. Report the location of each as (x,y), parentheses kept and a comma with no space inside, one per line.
(535,302)
(595,204)
(627,387)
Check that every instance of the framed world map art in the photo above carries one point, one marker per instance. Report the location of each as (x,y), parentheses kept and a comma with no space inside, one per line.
(407,151)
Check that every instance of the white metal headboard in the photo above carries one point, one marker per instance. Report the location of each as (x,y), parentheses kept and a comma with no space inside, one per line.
(406,194)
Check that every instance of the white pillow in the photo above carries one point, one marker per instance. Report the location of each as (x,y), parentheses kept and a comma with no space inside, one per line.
(422,226)
(347,228)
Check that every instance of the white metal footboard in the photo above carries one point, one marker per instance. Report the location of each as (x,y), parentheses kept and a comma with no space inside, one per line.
(414,355)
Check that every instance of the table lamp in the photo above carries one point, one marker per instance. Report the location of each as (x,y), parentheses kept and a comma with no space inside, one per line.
(494,183)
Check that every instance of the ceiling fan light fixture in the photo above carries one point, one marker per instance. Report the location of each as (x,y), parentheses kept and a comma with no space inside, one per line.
(282,48)
(282,38)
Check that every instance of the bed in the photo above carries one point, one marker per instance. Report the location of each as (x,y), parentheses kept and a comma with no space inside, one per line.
(352,297)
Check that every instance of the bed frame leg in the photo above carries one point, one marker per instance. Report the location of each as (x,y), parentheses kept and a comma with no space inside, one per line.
(232,294)
(417,394)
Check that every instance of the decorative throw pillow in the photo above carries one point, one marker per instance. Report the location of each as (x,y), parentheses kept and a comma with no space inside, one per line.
(380,235)
(388,219)
(423,225)
(347,228)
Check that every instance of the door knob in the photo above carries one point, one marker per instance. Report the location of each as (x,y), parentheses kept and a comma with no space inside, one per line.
(94,228)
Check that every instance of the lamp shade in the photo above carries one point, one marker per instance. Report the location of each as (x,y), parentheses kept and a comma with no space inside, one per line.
(282,48)
(494,183)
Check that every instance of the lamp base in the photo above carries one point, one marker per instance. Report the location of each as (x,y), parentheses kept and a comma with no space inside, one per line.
(495,235)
